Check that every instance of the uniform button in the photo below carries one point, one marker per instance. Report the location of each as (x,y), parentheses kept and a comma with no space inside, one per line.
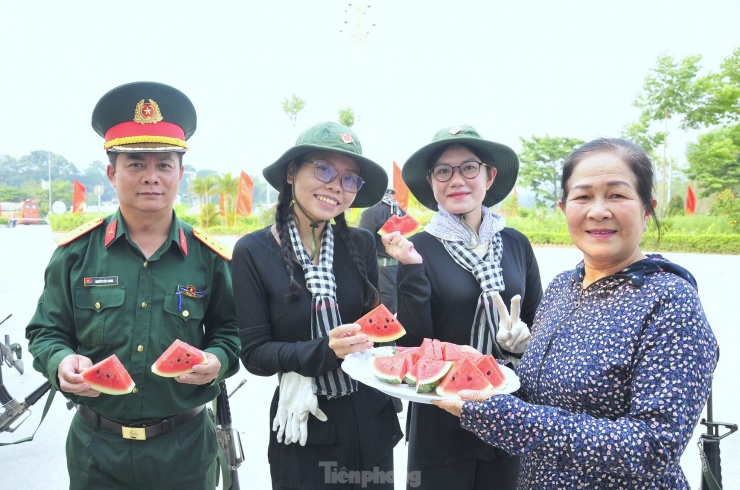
(146,264)
(140,348)
(185,313)
(97,305)
(143,304)
(135,390)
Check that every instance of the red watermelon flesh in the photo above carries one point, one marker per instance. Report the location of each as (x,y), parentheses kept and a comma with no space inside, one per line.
(109,376)
(406,225)
(179,358)
(432,348)
(451,352)
(380,325)
(391,369)
(491,370)
(429,373)
(463,376)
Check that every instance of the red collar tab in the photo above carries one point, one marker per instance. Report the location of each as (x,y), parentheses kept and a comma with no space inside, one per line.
(110,232)
(183,242)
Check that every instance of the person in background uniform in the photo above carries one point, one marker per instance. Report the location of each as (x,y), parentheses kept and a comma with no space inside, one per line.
(373,218)
(621,358)
(299,284)
(130,284)
(450,276)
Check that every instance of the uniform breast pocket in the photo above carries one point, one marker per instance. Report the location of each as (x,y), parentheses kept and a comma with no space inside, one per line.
(184,317)
(99,315)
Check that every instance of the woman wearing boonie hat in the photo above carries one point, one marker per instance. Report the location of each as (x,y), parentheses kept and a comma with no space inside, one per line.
(451,283)
(297,285)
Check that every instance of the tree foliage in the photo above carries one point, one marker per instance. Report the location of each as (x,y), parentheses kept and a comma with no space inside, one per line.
(347,117)
(714,160)
(292,107)
(542,165)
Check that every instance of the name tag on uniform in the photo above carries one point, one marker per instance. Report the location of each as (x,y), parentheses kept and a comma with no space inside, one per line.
(100,281)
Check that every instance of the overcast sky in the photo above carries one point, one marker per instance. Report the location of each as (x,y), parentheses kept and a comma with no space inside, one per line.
(510,68)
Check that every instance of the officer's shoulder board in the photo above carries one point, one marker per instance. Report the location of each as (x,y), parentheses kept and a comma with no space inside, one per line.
(73,235)
(212,243)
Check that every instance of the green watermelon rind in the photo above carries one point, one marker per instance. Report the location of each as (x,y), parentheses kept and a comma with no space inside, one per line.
(161,368)
(393,379)
(120,377)
(430,383)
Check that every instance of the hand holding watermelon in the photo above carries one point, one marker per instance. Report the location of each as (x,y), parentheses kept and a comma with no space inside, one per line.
(187,364)
(455,406)
(401,249)
(70,377)
(346,339)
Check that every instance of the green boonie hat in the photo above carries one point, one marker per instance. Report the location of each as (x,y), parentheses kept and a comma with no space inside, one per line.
(143,117)
(331,136)
(416,168)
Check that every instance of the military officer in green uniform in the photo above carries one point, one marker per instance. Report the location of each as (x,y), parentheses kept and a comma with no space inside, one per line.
(130,284)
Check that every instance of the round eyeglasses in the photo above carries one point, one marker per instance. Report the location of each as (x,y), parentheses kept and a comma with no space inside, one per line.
(443,172)
(326,173)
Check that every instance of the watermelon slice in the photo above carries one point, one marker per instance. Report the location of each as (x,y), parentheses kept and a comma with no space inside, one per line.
(451,352)
(464,376)
(109,376)
(404,224)
(432,349)
(429,373)
(380,325)
(491,370)
(391,369)
(179,358)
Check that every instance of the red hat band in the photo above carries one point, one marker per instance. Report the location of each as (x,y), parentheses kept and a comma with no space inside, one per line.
(131,132)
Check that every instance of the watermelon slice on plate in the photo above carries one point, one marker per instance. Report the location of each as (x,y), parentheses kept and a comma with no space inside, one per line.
(380,325)
(429,373)
(109,377)
(391,369)
(491,370)
(432,348)
(463,376)
(179,358)
(404,224)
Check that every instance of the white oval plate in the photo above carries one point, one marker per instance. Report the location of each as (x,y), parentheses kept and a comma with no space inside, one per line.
(357,365)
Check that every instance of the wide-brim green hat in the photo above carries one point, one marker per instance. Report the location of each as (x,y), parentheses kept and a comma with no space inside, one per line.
(331,136)
(503,158)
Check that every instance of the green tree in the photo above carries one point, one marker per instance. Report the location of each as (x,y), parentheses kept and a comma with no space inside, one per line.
(229,187)
(10,194)
(292,107)
(714,160)
(542,165)
(204,188)
(721,104)
(670,91)
(347,117)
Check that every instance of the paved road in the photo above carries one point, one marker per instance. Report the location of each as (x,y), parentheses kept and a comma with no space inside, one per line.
(40,464)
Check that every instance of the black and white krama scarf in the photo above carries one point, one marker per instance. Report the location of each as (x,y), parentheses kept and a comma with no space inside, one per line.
(322,285)
(459,243)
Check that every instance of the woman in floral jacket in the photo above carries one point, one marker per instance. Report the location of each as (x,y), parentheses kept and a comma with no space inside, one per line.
(621,358)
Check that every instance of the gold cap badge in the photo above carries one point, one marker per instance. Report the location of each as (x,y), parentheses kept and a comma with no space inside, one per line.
(147,112)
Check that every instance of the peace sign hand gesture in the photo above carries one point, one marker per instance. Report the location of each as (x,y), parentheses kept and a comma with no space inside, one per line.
(513,334)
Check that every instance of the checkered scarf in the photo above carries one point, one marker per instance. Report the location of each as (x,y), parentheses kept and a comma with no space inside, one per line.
(455,238)
(391,201)
(321,284)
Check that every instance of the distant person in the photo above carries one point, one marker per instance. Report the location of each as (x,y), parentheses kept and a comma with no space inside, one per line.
(373,219)
(131,284)
(621,358)
(447,282)
(299,285)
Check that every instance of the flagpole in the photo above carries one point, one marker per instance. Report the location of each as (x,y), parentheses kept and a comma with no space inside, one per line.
(48,162)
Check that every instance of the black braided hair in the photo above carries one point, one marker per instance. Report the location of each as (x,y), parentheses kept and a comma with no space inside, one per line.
(371,297)
(282,214)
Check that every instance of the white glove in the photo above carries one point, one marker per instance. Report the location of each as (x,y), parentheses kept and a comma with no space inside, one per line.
(513,334)
(295,403)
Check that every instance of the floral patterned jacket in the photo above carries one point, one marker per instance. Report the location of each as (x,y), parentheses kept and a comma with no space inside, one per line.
(613,382)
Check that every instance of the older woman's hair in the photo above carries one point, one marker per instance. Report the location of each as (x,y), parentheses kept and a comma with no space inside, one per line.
(636,159)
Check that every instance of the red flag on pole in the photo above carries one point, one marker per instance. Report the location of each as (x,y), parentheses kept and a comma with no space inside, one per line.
(246,195)
(402,192)
(78,197)
(690,201)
